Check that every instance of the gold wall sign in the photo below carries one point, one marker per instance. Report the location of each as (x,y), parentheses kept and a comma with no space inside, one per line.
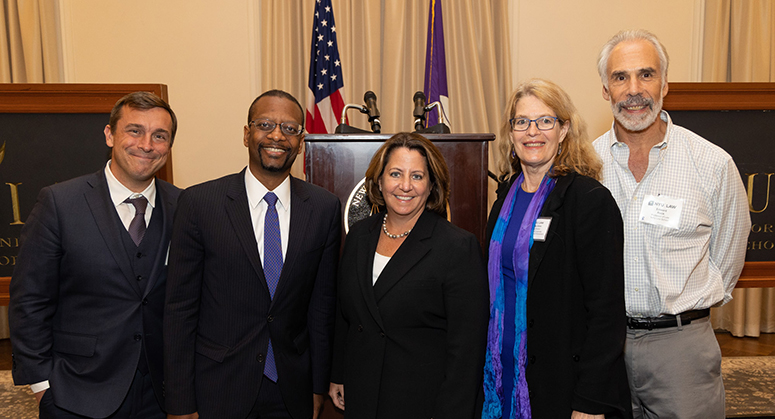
(747,136)
(38,150)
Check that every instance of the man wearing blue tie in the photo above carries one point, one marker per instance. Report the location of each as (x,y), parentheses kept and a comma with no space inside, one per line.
(251,294)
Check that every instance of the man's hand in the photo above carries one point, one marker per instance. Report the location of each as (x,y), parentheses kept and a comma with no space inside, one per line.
(39,395)
(578,415)
(336,391)
(317,404)
(194,415)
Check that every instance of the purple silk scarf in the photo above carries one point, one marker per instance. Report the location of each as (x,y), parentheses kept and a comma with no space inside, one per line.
(493,369)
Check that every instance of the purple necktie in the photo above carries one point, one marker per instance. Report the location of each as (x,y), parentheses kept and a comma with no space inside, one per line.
(273,265)
(137,226)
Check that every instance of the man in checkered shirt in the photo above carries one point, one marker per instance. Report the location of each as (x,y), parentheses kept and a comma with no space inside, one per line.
(686,225)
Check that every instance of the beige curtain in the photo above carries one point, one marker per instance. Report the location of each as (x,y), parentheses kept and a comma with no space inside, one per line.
(739,46)
(382,48)
(30,52)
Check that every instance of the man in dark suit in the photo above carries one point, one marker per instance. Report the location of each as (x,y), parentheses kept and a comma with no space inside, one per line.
(251,294)
(87,293)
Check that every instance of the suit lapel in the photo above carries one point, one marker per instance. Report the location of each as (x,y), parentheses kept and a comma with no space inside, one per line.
(367,246)
(301,212)
(412,250)
(104,213)
(165,210)
(553,202)
(238,211)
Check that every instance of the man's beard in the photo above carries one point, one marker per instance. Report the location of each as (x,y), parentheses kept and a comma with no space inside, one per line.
(639,122)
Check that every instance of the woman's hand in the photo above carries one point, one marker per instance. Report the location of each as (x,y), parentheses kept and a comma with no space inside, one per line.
(578,415)
(336,391)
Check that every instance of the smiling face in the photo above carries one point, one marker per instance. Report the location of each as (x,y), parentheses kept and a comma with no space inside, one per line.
(635,88)
(272,153)
(140,144)
(536,149)
(405,183)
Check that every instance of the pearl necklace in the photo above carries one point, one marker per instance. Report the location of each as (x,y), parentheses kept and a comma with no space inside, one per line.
(393,236)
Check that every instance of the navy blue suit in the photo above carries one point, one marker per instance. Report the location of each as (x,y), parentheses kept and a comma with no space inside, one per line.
(220,316)
(79,316)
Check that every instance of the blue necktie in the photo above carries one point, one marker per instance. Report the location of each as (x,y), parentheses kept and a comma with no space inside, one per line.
(273,265)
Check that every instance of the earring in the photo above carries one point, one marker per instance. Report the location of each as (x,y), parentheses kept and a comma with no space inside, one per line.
(513,152)
(559,149)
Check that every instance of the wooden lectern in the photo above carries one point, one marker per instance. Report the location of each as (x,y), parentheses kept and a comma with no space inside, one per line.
(338,163)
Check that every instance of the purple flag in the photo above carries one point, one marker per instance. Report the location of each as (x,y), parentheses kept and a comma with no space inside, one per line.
(435,65)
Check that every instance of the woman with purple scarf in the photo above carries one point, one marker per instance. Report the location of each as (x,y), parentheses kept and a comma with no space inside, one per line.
(557,318)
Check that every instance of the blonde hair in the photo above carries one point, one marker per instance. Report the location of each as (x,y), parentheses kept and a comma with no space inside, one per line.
(576,152)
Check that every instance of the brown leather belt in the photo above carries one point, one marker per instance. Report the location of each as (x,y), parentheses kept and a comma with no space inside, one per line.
(666,320)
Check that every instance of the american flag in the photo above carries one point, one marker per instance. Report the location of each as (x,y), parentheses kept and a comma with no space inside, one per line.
(325,99)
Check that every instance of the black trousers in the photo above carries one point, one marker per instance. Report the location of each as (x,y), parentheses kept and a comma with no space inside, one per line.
(269,403)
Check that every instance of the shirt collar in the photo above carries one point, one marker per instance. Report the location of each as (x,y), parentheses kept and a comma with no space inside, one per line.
(119,193)
(256,191)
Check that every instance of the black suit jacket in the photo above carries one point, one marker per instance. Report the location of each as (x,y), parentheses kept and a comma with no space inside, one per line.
(78,316)
(575,303)
(412,345)
(219,315)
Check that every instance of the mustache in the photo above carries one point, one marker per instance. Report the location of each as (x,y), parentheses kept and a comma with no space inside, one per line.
(274,145)
(637,100)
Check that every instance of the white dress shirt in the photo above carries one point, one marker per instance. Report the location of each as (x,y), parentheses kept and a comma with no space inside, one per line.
(379,265)
(256,191)
(119,193)
(695,264)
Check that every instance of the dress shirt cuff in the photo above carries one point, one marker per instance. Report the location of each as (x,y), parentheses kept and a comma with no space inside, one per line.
(38,387)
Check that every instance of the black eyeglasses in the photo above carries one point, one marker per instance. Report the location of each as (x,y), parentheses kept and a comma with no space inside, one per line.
(288,128)
(544,123)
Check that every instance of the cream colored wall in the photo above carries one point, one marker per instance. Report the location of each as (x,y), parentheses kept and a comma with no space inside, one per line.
(200,50)
(559,40)
(204,52)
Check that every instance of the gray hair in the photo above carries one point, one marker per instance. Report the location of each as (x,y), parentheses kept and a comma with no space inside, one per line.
(632,35)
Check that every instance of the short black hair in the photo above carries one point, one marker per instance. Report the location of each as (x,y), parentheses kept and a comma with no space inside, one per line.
(277,93)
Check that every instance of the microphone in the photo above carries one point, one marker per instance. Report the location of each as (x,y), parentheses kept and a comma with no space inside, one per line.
(419,110)
(371,104)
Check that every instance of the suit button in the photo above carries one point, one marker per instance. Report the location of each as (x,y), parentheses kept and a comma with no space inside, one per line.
(139,255)
(138,337)
(360,328)
(530,323)
(382,334)
(270,319)
(139,277)
(576,358)
(145,301)
(533,359)
(260,358)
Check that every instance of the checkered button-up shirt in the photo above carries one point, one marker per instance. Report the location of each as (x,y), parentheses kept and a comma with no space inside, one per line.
(670,270)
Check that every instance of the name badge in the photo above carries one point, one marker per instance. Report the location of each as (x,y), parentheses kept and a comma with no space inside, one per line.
(541,229)
(661,210)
